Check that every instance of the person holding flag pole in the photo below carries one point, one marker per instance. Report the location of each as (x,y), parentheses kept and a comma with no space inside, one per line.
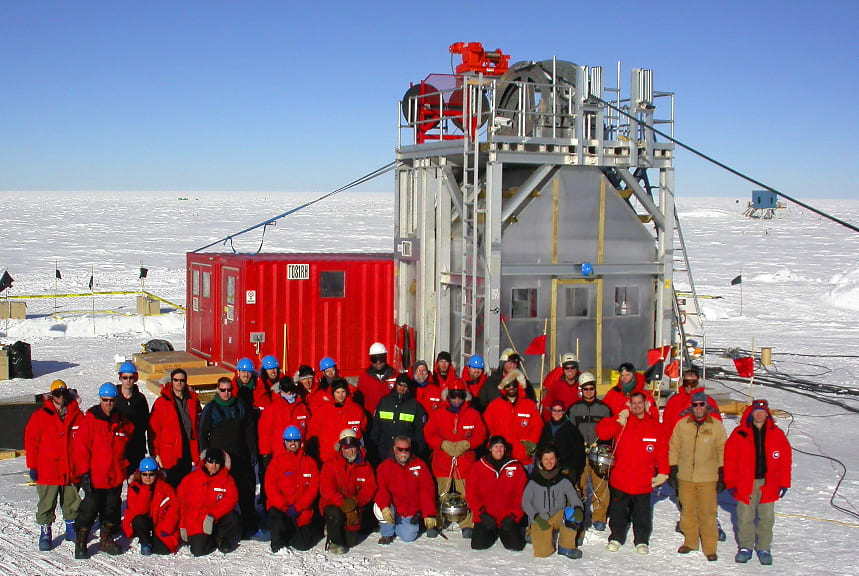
(538,347)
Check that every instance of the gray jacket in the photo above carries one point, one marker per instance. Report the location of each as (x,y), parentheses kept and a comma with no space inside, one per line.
(545,497)
(585,416)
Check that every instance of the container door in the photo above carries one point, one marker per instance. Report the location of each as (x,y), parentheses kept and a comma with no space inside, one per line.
(202,317)
(577,316)
(230,312)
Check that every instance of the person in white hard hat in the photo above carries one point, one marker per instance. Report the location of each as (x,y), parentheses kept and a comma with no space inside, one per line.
(562,384)
(377,381)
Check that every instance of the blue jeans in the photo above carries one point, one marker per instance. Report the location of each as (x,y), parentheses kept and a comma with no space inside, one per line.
(405,528)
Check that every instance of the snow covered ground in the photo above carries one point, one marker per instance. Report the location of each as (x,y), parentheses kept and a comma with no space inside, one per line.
(800,295)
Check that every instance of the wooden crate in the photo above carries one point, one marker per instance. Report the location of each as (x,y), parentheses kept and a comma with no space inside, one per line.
(147,306)
(155,362)
(12,309)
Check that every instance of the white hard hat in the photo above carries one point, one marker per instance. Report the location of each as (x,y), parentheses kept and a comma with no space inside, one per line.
(569,357)
(507,353)
(586,378)
(378,348)
(347,433)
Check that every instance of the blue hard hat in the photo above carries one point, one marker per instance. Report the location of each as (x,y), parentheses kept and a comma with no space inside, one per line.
(476,361)
(270,362)
(148,465)
(327,363)
(292,433)
(127,368)
(246,365)
(107,390)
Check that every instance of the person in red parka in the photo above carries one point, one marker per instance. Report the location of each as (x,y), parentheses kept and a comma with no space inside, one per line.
(331,419)
(455,432)
(641,464)
(496,483)
(629,381)
(405,494)
(758,461)
(474,376)
(100,452)
(174,427)
(346,487)
(377,381)
(208,496)
(287,408)
(292,485)
(314,396)
(681,401)
(515,417)
(152,510)
(562,384)
(427,390)
(443,370)
(49,440)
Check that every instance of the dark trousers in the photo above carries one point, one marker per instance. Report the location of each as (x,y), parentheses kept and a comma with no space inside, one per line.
(630,507)
(144,528)
(486,532)
(102,503)
(178,472)
(335,527)
(224,536)
(286,532)
(262,466)
(243,473)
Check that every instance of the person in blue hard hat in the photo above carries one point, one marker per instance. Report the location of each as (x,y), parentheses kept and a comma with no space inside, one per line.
(474,375)
(132,404)
(100,453)
(152,510)
(328,372)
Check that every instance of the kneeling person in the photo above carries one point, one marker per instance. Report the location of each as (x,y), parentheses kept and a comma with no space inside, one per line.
(152,510)
(291,484)
(406,494)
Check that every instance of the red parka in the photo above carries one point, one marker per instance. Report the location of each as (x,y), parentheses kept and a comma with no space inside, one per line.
(616,399)
(409,487)
(165,427)
(276,418)
(317,398)
(293,479)
(498,492)
(341,479)
(429,396)
(454,426)
(556,387)
(740,460)
(515,421)
(474,386)
(49,442)
(159,502)
(201,495)
(640,452)
(332,419)
(373,387)
(680,402)
(100,447)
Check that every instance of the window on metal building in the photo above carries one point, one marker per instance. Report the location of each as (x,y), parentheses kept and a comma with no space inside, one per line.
(332,284)
(524,303)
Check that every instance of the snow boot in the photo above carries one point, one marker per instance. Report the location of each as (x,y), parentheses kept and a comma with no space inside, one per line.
(765,557)
(599,526)
(467,532)
(70,531)
(572,553)
(106,543)
(81,552)
(722,536)
(743,555)
(146,549)
(45,537)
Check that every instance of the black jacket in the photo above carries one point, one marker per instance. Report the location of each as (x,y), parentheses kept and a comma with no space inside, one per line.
(570,447)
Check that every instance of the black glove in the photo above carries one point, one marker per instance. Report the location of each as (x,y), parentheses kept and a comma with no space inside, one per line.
(488,520)
(415,519)
(86,484)
(264,460)
(672,478)
(292,512)
(509,523)
(720,483)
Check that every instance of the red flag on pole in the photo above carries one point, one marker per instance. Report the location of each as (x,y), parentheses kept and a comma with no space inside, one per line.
(654,355)
(745,366)
(537,347)
(673,369)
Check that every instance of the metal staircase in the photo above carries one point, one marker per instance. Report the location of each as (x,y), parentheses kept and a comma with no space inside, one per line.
(687,309)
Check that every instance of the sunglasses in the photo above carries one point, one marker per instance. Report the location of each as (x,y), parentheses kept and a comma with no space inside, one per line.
(457,395)
(132,377)
(378,358)
(223,389)
(109,400)
(59,392)
(402,449)
(179,380)
(698,404)
(571,367)
(349,443)
(690,381)
(586,388)
(148,474)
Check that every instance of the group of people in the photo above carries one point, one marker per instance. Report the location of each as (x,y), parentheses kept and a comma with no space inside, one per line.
(414,452)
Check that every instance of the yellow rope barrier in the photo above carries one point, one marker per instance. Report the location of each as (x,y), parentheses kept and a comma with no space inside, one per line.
(804,517)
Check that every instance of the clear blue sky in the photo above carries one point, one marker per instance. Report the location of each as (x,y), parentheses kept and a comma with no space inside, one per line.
(301,96)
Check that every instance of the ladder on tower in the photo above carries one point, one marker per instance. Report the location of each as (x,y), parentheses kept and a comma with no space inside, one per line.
(687,314)
(472,300)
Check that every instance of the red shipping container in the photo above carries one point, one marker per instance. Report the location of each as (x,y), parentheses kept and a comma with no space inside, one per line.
(296,307)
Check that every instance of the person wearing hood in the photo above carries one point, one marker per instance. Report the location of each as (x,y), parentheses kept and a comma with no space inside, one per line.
(227,424)
(496,483)
(331,419)
(551,503)
(269,376)
(474,375)
(566,439)
(455,432)
(629,382)
(100,451)
(427,390)
(758,459)
(152,510)
(208,497)
(641,464)
(679,402)
(173,428)
(405,495)
(132,404)
(346,487)
(515,417)
(49,444)
(443,370)
(312,392)
(292,485)
(562,384)
(398,414)
(696,457)
(491,390)
(377,381)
